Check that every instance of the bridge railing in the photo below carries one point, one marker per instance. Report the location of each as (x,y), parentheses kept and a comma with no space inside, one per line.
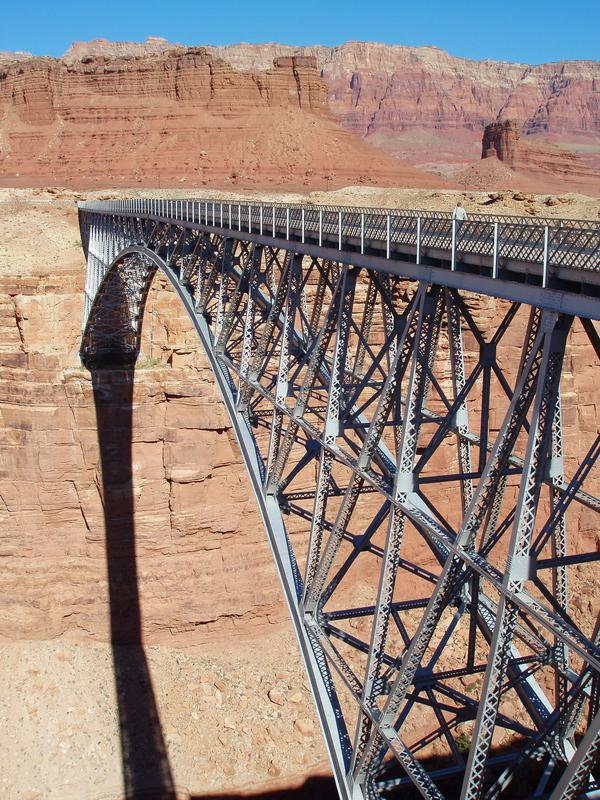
(548,243)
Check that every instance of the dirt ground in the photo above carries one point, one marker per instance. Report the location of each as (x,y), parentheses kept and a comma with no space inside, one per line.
(230,719)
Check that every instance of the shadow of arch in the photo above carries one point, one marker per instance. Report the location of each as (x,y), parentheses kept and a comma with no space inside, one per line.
(145,762)
(111,341)
(109,349)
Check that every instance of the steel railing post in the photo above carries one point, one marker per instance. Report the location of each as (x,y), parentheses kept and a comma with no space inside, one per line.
(287,223)
(320,227)
(388,228)
(339,230)
(453,253)
(362,232)
(302,224)
(545,262)
(418,240)
(495,260)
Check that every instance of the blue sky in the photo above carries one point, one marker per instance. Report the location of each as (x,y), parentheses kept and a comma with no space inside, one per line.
(528,31)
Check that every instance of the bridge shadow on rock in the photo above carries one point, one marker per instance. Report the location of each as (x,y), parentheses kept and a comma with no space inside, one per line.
(314,788)
(145,761)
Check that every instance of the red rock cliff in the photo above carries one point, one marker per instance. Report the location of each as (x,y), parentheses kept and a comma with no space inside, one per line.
(184,115)
(387,91)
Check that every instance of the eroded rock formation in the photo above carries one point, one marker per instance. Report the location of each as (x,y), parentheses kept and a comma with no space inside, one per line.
(536,161)
(183,116)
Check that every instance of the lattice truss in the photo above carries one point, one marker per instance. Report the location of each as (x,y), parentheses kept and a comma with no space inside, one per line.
(433,454)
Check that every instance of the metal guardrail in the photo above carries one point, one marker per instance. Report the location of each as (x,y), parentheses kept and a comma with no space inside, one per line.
(573,244)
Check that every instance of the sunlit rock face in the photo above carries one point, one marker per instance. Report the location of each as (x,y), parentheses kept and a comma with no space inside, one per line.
(180,117)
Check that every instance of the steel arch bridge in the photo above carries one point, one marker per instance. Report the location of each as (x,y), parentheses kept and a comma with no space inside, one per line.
(397,382)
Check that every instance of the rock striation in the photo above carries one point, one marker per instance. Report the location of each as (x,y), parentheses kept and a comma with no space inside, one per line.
(179,116)
(431,108)
(203,571)
(126,113)
(535,161)
(203,566)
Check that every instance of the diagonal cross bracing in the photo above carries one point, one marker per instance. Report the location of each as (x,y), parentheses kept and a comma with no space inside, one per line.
(412,381)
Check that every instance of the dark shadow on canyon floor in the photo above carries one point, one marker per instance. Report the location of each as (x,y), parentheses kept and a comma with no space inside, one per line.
(315,788)
(144,754)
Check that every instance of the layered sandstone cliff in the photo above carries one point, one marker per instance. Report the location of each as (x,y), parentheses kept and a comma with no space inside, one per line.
(202,564)
(535,161)
(262,115)
(374,85)
(182,116)
(392,94)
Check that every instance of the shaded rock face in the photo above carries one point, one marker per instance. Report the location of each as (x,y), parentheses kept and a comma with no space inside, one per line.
(501,139)
(182,116)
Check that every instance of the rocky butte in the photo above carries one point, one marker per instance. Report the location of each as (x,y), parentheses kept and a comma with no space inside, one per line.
(541,162)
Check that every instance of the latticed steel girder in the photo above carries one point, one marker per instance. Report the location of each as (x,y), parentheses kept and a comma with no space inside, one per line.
(431,516)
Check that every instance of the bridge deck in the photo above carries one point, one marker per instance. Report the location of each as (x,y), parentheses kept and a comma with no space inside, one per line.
(561,256)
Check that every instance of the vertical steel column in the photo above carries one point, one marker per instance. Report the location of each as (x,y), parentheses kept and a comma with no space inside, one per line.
(517,567)
(426,342)
(281,390)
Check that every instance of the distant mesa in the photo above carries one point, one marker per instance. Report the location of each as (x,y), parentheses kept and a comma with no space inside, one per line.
(364,112)
(153,45)
(6,56)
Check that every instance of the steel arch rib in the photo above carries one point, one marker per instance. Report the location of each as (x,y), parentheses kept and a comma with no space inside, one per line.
(272,520)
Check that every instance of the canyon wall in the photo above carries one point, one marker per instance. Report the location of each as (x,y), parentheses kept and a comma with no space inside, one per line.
(392,94)
(203,566)
(182,116)
(373,85)
(273,116)
(203,569)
